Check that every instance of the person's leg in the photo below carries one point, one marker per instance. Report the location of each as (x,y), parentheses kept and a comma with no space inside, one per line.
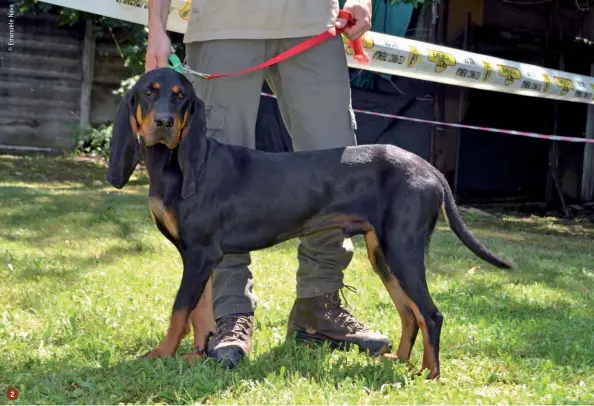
(232,110)
(313,90)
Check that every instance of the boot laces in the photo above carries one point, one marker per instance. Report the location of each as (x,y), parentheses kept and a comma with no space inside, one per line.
(234,327)
(342,315)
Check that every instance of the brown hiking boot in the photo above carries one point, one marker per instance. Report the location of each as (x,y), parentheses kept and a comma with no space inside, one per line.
(323,319)
(232,340)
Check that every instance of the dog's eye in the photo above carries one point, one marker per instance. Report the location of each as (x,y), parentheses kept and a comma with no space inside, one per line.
(149,92)
(180,95)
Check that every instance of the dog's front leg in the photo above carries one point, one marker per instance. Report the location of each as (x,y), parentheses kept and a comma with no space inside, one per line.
(198,266)
(203,323)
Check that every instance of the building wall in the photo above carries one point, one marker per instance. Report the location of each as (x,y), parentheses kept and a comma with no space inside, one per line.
(109,72)
(501,166)
(40,82)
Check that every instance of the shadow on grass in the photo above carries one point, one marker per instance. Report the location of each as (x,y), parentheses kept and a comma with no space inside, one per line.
(43,169)
(174,380)
(37,214)
(49,222)
(542,226)
(59,273)
(523,328)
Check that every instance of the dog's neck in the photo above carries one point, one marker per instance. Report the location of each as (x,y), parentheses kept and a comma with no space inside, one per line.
(169,169)
(165,177)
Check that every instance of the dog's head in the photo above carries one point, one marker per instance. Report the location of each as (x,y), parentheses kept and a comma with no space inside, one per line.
(159,109)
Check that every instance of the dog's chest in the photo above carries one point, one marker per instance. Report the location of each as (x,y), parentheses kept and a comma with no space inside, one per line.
(164,216)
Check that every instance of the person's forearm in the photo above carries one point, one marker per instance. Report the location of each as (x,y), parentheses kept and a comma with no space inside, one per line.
(158,12)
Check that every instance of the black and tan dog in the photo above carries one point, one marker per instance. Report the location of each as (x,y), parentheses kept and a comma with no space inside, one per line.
(211,199)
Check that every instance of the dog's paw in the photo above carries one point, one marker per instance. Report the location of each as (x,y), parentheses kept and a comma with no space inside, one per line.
(158,353)
(432,375)
(395,358)
(192,357)
(391,357)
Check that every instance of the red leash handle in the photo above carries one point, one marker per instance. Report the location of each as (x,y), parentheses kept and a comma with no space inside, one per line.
(357,45)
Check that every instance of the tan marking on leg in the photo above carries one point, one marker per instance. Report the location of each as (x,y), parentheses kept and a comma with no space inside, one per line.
(170,343)
(409,323)
(203,323)
(375,255)
(187,328)
(202,317)
(409,312)
(164,216)
(410,327)
(372,244)
(407,318)
(429,360)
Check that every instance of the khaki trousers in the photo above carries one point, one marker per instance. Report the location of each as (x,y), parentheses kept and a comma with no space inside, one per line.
(313,91)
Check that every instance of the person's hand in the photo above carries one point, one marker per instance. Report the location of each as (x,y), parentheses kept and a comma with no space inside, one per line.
(158,50)
(361,11)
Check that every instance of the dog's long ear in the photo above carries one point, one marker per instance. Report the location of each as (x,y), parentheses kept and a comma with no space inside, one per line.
(192,147)
(124,152)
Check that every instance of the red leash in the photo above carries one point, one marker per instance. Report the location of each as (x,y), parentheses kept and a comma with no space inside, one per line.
(357,46)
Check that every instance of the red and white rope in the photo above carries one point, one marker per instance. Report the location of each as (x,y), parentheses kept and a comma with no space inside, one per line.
(471,127)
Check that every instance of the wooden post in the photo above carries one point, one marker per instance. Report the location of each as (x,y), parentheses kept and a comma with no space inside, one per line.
(88,73)
(439,31)
(462,104)
(587,192)
(553,182)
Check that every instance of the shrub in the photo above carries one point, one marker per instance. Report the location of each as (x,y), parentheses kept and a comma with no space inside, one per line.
(94,141)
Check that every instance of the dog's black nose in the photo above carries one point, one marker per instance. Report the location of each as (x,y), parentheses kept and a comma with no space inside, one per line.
(164,122)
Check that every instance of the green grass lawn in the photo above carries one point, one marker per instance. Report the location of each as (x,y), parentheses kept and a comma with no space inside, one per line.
(88,284)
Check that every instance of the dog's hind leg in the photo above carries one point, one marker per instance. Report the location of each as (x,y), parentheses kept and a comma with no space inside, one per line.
(404,237)
(410,327)
(405,255)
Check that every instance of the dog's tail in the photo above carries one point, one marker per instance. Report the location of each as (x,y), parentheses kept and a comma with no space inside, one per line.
(452,215)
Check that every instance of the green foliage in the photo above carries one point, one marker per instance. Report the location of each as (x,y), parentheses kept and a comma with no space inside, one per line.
(126,84)
(94,141)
